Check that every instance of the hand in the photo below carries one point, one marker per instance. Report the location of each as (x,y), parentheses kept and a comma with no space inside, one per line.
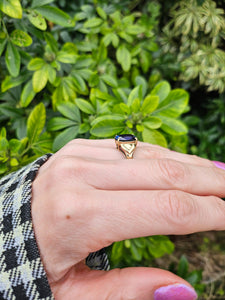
(87,196)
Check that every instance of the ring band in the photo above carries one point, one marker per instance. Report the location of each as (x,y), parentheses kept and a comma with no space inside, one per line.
(126,143)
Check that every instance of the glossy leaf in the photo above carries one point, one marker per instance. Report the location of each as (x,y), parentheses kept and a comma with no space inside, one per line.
(152,122)
(85,106)
(70,111)
(174,105)
(162,90)
(64,137)
(36,123)
(154,137)
(124,57)
(12,59)
(134,94)
(36,19)
(40,79)
(11,8)
(94,22)
(107,126)
(173,126)
(38,3)
(27,94)
(59,123)
(11,82)
(150,104)
(36,64)
(55,15)
(20,38)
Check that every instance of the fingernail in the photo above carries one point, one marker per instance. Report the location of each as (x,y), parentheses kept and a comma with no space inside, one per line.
(175,292)
(219,164)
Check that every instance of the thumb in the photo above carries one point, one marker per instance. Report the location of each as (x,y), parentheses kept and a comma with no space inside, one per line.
(125,284)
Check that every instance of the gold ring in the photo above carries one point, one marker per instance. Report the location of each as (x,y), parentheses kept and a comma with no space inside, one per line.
(126,143)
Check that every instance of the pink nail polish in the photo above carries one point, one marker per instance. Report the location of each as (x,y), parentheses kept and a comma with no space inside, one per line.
(219,164)
(175,292)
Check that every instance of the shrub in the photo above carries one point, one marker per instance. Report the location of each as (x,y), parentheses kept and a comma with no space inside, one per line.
(85,71)
(194,36)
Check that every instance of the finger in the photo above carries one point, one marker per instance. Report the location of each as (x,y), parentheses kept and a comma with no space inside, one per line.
(106,150)
(125,284)
(152,174)
(150,213)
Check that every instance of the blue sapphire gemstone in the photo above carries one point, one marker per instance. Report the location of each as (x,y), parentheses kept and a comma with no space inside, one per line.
(125,137)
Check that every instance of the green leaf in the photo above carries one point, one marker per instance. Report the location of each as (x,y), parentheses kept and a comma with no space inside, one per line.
(111,81)
(36,19)
(68,54)
(36,123)
(174,105)
(10,82)
(85,106)
(20,38)
(51,74)
(55,15)
(27,94)
(150,104)
(154,137)
(134,94)
(38,3)
(107,126)
(64,137)
(162,90)
(152,123)
(134,29)
(94,22)
(142,82)
(12,59)
(160,245)
(124,57)
(10,111)
(59,123)
(36,64)
(139,127)
(43,145)
(145,60)
(101,13)
(135,107)
(117,251)
(40,79)
(173,126)
(79,83)
(70,111)
(136,252)
(182,269)
(11,8)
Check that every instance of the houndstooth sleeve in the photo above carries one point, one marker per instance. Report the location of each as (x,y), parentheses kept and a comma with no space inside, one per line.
(22,275)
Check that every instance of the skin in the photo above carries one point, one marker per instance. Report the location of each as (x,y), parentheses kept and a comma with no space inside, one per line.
(87,196)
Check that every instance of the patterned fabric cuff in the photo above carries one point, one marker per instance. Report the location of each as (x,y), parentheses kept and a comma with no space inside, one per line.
(22,275)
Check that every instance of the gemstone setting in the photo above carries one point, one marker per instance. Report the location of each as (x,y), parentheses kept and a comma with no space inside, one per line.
(125,138)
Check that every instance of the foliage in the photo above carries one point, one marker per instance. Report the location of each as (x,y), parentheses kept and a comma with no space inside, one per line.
(193,277)
(84,69)
(195,37)
(140,251)
(207,130)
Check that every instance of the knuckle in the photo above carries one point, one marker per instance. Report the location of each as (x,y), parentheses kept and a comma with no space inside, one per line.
(178,208)
(172,172)
(219,206)
(66,167)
